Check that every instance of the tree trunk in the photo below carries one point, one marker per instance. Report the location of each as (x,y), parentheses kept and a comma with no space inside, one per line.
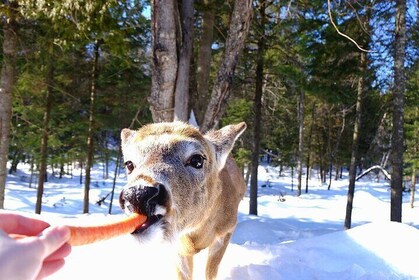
(355,142)
(238,30)
(44,140)
(32,171)
(165,60)
(313,114)
(413,186)
(321,161)
(300,153)
(203,69)
(257,111)
(414,167)
(181,112)
(398,106)
(329,147)
(7,82)
(90,134)
(118,159)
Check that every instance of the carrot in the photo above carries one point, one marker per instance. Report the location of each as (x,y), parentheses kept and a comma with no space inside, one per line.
(82,235)
(89,234)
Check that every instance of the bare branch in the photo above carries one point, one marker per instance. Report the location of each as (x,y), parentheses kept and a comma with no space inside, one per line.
(342,34)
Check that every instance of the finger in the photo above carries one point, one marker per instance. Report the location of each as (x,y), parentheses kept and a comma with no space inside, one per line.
(16,223)
(50,267)
(53,238)
(61,253)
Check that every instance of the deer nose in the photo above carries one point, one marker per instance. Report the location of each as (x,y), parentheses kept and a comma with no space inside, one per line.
(143,199)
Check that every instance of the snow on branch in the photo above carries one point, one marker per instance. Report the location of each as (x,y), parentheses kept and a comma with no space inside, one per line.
(388,176)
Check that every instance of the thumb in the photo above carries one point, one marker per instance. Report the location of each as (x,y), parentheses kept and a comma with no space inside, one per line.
(53,238)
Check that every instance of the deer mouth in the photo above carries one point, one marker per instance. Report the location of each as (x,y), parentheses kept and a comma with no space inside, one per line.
(150,201)
(151,220)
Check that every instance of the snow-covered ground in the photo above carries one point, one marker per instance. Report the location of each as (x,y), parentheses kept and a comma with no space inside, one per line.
(291,238)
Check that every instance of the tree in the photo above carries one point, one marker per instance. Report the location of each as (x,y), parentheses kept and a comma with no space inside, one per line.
(45,133)
(257,108)
(165,60)
(355,142)
(181,111)
(203,61)
(238,30)
(300,152)
(412,128)
(399,88)
(7,82)
(91,131)
(170,75)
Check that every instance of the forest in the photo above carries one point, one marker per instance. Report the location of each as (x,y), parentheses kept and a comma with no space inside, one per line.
(326,85)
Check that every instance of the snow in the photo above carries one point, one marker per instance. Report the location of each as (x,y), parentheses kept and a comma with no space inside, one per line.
(291,238)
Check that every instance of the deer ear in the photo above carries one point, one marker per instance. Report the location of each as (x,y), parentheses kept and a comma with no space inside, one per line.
(126,134)
(223,141)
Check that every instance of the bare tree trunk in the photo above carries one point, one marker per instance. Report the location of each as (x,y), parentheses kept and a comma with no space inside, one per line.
(7,82)
(118,159)
(238,30)
(204,61)
(313,114)
(44,139)
(300,153)
(257,111)
(32,171)
(398,107)
(334,150)
(355,143)
(90,134)
(165,60)
(413,186)
(414,168)
(181,112)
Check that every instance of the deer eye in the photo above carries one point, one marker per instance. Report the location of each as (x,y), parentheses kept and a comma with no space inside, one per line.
(129,166)
(196,161)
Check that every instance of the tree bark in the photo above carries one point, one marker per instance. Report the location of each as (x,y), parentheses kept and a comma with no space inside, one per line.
(329,146)
(181,112)
(118,160)
(413,186)
(7,82)
(44,140)
(165,59)
(355,142)
(310,135)
(300,153)
(238,30)
(414,167)
(257,111)
(90,134)
(398,107)
(203,69)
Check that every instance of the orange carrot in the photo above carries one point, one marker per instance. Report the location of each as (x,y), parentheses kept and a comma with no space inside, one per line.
(81,235)
(89,234)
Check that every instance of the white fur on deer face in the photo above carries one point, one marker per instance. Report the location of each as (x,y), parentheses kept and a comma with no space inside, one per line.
(173,173)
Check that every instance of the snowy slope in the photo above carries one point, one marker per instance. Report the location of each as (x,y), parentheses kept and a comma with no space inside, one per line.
(298,238)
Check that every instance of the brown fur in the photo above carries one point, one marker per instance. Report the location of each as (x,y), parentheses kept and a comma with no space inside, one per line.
(201,209)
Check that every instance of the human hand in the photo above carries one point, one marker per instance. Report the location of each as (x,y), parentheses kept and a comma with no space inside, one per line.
(34,257)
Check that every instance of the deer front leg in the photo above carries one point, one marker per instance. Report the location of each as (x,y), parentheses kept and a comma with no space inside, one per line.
(184,268)
(215,254)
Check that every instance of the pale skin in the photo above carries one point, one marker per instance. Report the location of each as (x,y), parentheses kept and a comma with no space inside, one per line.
(34,257)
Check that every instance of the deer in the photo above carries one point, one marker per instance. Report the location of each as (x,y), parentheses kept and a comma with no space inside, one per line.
(189,187)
